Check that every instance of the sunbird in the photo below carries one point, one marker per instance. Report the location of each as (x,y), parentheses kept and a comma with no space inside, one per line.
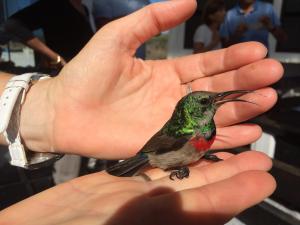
(184,139)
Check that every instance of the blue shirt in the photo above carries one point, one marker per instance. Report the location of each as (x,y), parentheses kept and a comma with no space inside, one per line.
(256,31)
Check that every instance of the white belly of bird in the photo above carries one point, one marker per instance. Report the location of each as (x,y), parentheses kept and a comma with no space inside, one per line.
(181,157)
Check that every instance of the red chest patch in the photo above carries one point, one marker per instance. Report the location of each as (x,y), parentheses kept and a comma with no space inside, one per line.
(201,144)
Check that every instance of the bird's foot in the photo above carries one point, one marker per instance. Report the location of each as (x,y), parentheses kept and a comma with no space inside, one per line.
(180,173)
(212,157)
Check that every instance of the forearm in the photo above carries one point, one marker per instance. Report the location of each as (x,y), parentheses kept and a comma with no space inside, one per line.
(36,44)
(4,77)
(36,115)
(19,30)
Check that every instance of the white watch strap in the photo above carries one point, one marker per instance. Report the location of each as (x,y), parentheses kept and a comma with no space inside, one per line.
(10,107)
(16,85)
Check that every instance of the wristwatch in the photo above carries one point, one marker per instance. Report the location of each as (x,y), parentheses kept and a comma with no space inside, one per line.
(10,106)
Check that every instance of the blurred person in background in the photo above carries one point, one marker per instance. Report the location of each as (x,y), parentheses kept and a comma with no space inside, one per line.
(207,35)
(4,38)
(251,20)
(65,25)
(105,11)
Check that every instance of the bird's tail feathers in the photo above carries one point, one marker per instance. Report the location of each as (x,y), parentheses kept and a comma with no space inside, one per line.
(128,167)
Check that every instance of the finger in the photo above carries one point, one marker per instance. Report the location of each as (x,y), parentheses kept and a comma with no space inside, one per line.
(238,135)
(250,77)
(215,172)
(121,38)
(232,113)
(215,203)
(149,21)
(193,67)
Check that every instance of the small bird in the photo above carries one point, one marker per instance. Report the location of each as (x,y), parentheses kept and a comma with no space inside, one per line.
(184,139)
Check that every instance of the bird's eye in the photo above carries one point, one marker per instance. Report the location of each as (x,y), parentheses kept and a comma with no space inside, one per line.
(204,101)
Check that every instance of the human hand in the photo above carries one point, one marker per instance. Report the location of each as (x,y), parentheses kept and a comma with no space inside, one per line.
(105,103)
(212,194)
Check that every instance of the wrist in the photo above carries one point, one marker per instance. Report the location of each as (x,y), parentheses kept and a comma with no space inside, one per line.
(12,101)
(36,117)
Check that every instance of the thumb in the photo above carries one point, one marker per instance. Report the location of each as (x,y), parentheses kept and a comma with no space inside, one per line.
(133,30)
(121,38)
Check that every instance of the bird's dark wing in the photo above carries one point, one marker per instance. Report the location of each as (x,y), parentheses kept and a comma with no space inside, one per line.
(161,143)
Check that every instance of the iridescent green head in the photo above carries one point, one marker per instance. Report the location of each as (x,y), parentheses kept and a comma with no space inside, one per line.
(196,110)
(203,104)
(198,105)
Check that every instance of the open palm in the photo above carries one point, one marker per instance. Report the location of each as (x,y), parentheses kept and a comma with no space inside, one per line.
(211,196)
(107,103)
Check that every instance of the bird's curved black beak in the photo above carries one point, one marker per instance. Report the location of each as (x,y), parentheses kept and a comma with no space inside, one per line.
(220,98)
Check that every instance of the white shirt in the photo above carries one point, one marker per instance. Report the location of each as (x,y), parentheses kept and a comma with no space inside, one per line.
(204,35)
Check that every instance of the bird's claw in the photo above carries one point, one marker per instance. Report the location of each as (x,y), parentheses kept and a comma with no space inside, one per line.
(180,173)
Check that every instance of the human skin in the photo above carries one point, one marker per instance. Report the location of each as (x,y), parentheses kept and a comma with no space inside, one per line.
(106,104)
(105,88)
(213,194)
